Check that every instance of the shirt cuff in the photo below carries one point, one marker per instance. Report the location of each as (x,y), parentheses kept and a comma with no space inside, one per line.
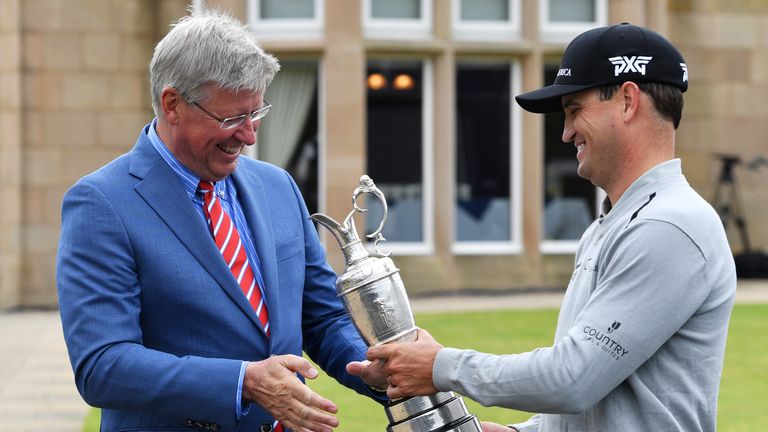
(443,375)
(241,407)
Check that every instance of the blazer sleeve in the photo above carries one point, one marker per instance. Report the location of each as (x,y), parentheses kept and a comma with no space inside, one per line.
(100,304)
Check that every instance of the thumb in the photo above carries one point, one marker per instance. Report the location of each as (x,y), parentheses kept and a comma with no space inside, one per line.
(299,365)
(356,368)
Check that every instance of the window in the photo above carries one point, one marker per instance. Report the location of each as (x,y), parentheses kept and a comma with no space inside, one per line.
(288,137)
(570,202)
(286,19)
(562,20)
(487,160)
(486,19)
(397,19)
(399,151)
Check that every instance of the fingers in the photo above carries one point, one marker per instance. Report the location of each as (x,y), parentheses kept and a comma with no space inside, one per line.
(404,385)
(305,416)
(387,351)
(495,427)
(408,365)
(394,392)
(380,352)
(273,384)
(357,368)
(372,373)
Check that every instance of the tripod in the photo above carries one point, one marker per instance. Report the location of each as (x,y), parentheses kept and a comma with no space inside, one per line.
(727,202)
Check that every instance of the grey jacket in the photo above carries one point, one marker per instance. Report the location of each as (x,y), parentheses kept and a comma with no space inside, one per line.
(641,333)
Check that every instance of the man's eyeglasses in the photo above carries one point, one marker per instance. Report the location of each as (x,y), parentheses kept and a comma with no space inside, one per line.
(233,122)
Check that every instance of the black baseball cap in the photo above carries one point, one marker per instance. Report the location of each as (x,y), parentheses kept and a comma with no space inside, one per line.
(610,55)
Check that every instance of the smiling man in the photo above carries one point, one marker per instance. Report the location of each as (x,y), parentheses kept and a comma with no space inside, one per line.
(641,333)
(190,277)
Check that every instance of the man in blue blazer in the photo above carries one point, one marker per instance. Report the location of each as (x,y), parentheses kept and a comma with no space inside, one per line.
(160,333)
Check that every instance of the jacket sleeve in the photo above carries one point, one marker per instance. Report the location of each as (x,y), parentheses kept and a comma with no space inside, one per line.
(100,293)
(642,286)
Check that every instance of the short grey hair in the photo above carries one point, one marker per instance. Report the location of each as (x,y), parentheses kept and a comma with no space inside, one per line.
(207,47)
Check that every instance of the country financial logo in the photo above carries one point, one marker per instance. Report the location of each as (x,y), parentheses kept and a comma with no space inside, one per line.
(624,64)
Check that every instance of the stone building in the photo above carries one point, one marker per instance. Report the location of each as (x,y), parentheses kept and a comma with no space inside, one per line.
(417,93)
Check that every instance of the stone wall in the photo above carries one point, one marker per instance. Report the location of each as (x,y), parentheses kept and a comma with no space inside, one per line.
(75,101)
(726,47)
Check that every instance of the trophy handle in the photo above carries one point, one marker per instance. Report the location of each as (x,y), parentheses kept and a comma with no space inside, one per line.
(367,186)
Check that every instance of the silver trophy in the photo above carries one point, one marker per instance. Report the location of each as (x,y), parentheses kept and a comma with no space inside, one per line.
(376,301)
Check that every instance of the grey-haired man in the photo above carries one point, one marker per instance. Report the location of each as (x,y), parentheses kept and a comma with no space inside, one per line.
(190,277)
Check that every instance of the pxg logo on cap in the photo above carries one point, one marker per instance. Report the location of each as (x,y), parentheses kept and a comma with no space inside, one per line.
(610,55)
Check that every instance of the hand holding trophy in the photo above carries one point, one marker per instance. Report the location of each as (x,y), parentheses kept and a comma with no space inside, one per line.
(375,298)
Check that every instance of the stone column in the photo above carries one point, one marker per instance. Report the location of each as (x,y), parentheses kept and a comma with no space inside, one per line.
(342,99)
(10,153)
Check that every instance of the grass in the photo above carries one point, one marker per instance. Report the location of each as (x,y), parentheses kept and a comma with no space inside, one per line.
(743,392)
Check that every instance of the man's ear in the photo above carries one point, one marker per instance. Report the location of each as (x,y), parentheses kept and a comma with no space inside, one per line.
(630,94)
(170,102)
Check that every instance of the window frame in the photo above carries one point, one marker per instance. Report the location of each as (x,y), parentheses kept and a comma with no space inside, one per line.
(289,28)
(556,247)
(398,29)
(565,31)
(515,244)
(502,30)
(549,246)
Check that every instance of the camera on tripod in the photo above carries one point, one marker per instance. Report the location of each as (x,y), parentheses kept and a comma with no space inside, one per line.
(749,263)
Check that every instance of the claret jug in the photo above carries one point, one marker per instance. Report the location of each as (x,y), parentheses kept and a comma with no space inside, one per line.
(375,299)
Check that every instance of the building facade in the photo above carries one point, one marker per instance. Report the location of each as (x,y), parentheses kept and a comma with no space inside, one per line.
(418,94)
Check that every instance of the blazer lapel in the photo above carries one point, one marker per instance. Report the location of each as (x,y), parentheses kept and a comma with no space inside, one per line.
(255,204)
(161,189)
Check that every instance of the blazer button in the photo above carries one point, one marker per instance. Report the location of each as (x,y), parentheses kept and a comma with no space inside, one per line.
(266,427)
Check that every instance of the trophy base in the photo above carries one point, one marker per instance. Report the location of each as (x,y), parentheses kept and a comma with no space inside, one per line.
(441,412)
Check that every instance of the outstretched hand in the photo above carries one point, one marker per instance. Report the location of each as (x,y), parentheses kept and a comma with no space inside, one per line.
(273,384)
(408,365)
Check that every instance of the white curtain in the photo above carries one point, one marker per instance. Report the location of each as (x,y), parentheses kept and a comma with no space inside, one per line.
(291,95)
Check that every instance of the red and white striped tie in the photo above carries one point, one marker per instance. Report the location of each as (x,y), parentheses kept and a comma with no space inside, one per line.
(231,246)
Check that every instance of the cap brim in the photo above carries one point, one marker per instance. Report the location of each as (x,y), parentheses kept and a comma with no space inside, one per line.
(547,99)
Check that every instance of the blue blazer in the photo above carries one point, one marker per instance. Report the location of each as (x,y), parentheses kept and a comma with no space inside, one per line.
(155,323)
